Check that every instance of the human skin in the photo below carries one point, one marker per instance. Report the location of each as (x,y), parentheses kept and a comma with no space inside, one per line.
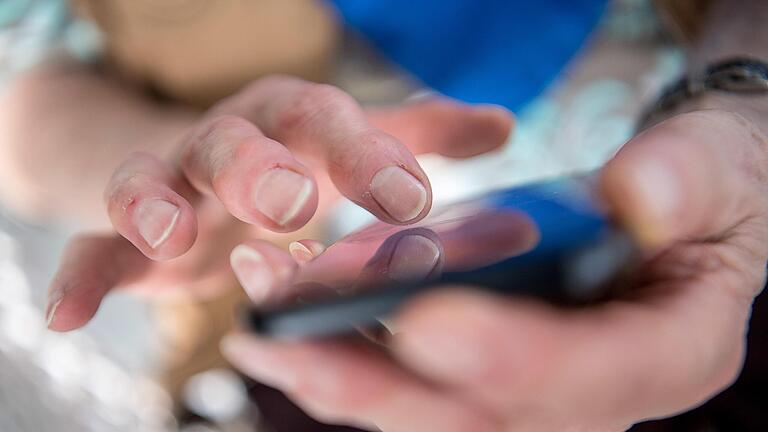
(693,189)
(257,162)
(183,188)
(163,191)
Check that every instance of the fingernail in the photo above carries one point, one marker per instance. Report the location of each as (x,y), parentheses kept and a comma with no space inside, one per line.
(252,271)
(54,300)
(306,250)
(399,193)
(256,360)
(155,220)
(414,258)
(314,246)
(280,194)
(659,195)
(300,252)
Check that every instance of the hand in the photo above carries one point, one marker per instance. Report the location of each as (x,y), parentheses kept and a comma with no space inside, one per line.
(693,190)
(259,161)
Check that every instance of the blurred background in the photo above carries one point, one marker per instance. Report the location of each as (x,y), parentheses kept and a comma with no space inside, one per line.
(143,366)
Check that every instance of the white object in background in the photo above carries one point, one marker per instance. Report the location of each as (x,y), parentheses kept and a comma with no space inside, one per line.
(216,394)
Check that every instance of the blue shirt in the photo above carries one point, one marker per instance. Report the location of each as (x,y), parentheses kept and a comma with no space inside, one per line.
(495,51)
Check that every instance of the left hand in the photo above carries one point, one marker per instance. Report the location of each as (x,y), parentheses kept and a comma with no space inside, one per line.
(693,190)
(260,162)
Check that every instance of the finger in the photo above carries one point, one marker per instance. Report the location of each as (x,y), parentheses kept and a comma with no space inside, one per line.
(264,270)
(145,209)
(488,238)
(254,177)
(447,127)
(622,362)
(413,254)
(692,176)
(90,267)
(351,383)
(410,254)
(304,251)
(368,166)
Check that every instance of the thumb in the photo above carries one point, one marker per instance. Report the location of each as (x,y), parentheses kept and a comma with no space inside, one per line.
(693,176)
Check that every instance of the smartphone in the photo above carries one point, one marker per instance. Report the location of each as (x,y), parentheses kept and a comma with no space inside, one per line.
(549,240)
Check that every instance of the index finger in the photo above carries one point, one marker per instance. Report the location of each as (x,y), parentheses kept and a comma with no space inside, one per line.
(367,165)
(619,363)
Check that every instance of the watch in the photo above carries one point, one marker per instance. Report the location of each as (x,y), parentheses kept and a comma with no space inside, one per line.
(738,75)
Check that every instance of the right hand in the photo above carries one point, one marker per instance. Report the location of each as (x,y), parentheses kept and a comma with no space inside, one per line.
(260,160)
(693,191)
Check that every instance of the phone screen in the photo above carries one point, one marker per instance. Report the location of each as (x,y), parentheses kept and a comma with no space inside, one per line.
(550,240)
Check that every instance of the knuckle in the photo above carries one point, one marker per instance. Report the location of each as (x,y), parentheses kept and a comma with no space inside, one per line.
(123,192)
(371,145)
(746,260)
(219,129)
(735,143)
(311,103)
(205,148)
(748,144)
(225,122)
(756,142)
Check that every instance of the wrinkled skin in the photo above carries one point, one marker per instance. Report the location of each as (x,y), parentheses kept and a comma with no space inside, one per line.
(693,190)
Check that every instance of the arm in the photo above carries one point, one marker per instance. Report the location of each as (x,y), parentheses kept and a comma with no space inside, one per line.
(64,128)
